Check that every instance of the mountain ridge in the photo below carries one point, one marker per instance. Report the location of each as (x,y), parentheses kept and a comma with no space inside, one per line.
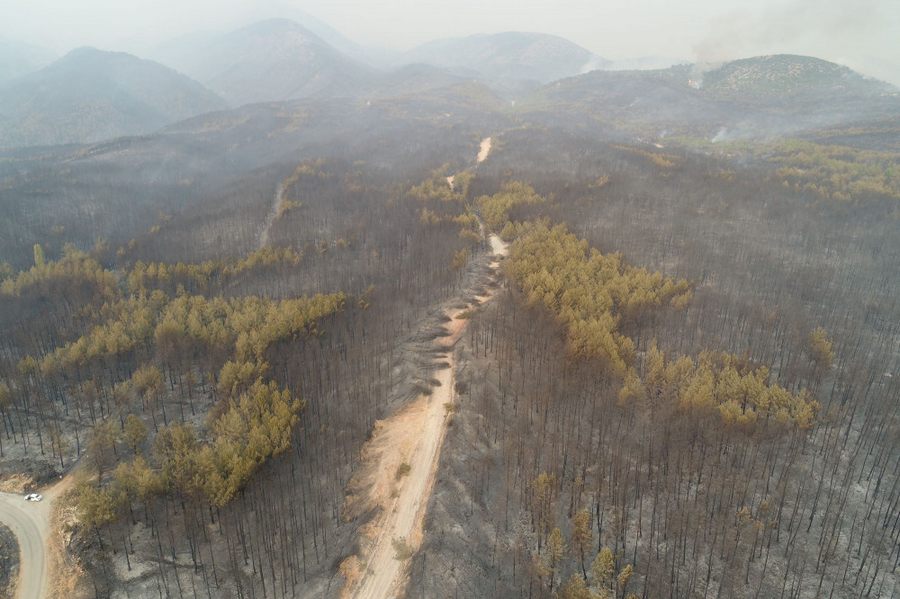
(788,75)
(751,97)
(91,94)
(511,55)
(272,60)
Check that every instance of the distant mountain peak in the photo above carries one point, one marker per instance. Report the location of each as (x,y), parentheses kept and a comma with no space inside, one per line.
(270,60)
(275,26)
(91,94)
(89,55)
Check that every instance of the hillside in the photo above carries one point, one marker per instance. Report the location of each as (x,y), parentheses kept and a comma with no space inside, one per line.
(413,79)
(784,76)
(761,96)
(511,55)
(268,61)
(90,95)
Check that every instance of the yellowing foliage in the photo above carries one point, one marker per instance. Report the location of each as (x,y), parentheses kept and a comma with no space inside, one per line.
(254,427)
(193,325)
(287,206)
(592,294)
(444,200)
(495,209)
(722,383)
(75,270)
(836,172)
(820,348)
(436,187)
(129,324)
(305,170)
(199,276)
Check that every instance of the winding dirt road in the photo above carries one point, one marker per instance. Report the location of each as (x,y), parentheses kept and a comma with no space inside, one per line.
(30,522)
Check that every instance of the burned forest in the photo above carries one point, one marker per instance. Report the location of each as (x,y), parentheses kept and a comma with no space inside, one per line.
(493,317)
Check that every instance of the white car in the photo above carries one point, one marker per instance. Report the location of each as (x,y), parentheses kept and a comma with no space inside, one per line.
(34,497)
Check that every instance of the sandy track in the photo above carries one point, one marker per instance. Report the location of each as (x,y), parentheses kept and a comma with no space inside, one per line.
(484,150)
(498,246)
(412,436)
(404,520)
(30,522)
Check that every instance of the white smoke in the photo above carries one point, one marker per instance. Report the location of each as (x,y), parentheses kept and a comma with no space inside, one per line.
(593,64)
(795,27)
(721,135)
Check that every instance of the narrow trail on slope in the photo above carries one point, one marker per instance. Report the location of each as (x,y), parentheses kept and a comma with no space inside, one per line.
(277,201)
(404,452)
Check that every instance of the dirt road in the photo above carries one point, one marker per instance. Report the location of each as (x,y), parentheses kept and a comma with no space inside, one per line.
(30,522)
(416,433)
(484,150)
(401,458)
(404,522)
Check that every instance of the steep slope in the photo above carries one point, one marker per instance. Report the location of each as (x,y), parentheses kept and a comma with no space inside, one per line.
(510,55)
(90,95)
(269,61)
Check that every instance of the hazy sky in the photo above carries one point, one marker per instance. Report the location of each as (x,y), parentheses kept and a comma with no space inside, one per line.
(864,34)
